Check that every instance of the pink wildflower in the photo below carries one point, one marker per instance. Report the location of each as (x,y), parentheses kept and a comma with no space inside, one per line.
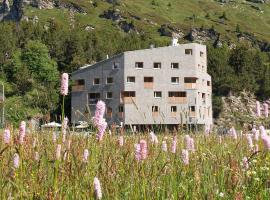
(58,152)
(143,149)
(85,155)
(6,136)
(185,156)
(266,141)
(64,84)
(97,188)
(54,138)
(16,160)
(250,142)
(233,133)
(68,144)
(262,130)
(258,108)
(22,132)
(121,141)
(36,156)
(245,163)
(256,149)
(164,146)
(138,152)
(174,143)
(256,135)
(265,109)
(99,121)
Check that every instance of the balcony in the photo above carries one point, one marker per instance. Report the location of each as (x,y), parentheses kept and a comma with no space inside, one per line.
(173,114)
(191,86)
(177,100)
(148,85)
(127,100)
(155,114)
(78,88)
(121,115)
(192,114)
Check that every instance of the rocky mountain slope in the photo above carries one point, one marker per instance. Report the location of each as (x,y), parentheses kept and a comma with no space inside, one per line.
(221,21)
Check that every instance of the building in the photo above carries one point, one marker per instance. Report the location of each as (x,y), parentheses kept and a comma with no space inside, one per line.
(165,85)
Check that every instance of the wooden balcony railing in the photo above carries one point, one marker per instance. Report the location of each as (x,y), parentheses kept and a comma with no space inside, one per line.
(192,114)
(127,100)
(173,114)
(177,100)
(155,114)
(191,86)
(148,85)
(78,88)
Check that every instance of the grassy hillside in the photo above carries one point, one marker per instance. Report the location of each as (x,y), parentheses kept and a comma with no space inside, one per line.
(148,16)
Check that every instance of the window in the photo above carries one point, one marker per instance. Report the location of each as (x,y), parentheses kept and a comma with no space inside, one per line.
(173,109)
(109,80)
(188,51)
(155,109)
(129,94)
(79,82)
(177,94)
(157,94)
(192,108)
(201,53)
(203,97)
(148,79)
(93,98)
(175,65)
(175,80)
(121,108)
(109,112)
(190,79)
(208,83)
(96,81)
(116,65)
(108,95)
(139,65)
(131,79)
(157,65)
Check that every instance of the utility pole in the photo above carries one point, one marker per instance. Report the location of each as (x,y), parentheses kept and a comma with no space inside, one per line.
(3,107)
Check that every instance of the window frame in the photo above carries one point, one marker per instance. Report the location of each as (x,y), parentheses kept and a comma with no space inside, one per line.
(172,65)
(157,97)
(131,77)
(159,63)
(137,64)
(95,80)
(175,83)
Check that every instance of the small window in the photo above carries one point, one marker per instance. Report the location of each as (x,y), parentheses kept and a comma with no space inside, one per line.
(173,109)
(201,53)
(203,97)
(157,65)
(175,65)
(177,94)
(96,81)
(109,112)
(148,79)
(121,108)
(116,65)
(190,79)
(175,80)
(79,82)
(109,95)
(157,94)
(139,65)
(128,94)
(109,80)
(188,51)
(131,79)
(155,109)
(192,108)
(93,98)
(208,83)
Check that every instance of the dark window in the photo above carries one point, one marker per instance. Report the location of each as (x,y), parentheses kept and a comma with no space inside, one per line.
(131,79)
(148,79)
(157,94)
(96,81)
(155,108)
(188,51)
(109,95)
(208,83)
(190,80)
(121,108)
(192,108)
(177,94)
(175,79)
(201,53)
(173,109)
(139,65)
(175,65)
(116,65)
(93,98)
(109,80)
(129,94)
(79,82)
(157,65)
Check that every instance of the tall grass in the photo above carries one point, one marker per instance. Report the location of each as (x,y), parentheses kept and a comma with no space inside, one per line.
(214,170)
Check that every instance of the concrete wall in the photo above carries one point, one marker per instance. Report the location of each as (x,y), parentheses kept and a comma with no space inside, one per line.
(140,110)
